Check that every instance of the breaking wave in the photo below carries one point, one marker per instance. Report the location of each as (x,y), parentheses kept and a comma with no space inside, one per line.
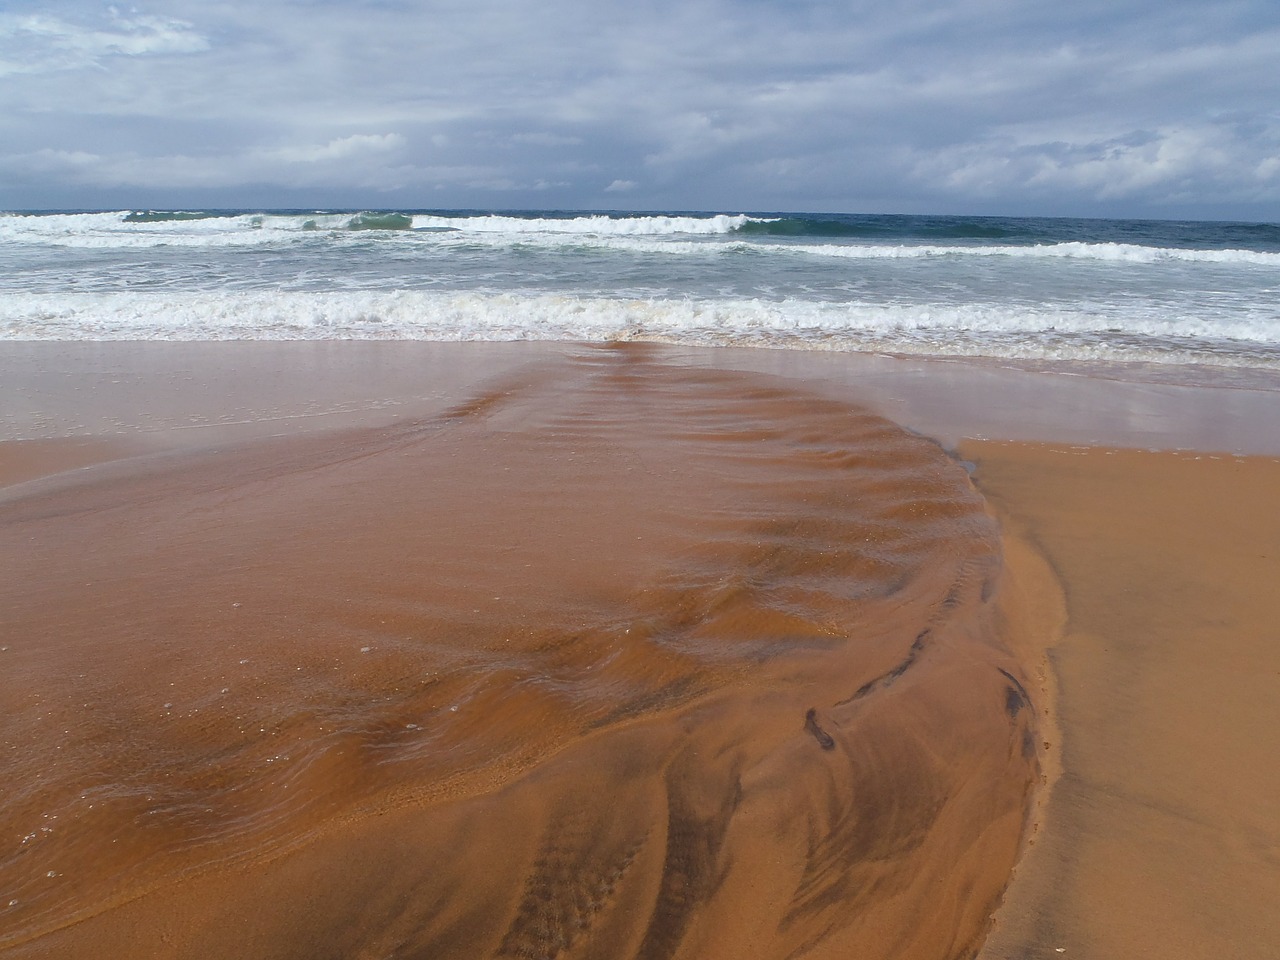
(884,238)
(995,330)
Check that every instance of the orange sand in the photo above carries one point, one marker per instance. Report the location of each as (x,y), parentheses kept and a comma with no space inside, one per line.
(740,669)
(617,659)
(1162,836)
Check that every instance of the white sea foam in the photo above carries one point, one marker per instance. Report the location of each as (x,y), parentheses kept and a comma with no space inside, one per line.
(1115,252)
(1005,330)
(673,236)
(115,229)
(111,230)
(675,245)
(597,226)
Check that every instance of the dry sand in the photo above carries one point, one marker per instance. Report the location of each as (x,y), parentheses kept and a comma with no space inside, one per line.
(1162,836)
(606,652)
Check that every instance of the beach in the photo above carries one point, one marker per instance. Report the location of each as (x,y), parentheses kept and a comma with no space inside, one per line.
(469,649)
(673,481)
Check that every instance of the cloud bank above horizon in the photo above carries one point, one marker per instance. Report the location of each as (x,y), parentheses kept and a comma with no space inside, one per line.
(1125,108)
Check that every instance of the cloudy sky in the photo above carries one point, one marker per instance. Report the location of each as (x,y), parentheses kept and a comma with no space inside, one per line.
(1167,108)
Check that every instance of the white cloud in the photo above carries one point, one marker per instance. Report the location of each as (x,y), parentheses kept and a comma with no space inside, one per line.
(40,42)
(1169,165)
(621,186)
(376,172)
(340,149)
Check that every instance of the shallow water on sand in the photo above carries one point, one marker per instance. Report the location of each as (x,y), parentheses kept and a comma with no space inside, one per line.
(615,658)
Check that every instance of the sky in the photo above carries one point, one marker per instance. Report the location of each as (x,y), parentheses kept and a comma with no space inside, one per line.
(1160,108)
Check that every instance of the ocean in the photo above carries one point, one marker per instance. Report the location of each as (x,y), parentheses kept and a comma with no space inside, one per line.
(1161,295)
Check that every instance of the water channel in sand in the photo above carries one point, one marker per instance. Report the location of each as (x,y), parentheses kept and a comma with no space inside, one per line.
(611,658)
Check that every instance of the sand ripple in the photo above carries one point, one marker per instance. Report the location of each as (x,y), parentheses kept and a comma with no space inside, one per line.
(616,659)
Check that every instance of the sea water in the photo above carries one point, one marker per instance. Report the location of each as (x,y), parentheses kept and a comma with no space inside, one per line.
(1022,289)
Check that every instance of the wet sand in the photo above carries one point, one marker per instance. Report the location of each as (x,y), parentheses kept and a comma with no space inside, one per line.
(615,652)
(612,657)
(1161,837)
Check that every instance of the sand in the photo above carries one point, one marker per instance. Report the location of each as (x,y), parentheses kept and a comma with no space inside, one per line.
(364,650)
(1161,838)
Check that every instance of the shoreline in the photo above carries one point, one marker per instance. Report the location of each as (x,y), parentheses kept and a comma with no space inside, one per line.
(124,387)
(202,393)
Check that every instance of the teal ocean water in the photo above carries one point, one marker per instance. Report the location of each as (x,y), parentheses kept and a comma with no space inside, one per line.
(1022,289)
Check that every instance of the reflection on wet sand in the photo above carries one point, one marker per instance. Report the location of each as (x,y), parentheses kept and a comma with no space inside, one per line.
(615,658)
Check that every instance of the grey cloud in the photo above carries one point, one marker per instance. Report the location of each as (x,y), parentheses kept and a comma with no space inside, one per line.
(750,104)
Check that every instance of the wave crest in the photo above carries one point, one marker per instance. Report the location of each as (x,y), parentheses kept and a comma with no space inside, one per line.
(1010,330)
(592,225)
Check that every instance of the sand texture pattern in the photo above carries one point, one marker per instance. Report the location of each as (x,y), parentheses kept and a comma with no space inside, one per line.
(614,658)
(1161,838)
